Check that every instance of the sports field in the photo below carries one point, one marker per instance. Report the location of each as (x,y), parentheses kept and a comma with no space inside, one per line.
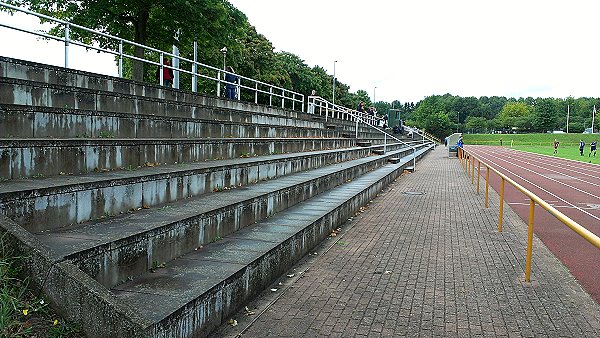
(541,144)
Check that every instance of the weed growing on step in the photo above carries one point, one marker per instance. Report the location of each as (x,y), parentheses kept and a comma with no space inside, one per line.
(22,314)
(106,134)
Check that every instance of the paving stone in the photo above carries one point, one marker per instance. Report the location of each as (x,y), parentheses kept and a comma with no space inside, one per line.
(431,265)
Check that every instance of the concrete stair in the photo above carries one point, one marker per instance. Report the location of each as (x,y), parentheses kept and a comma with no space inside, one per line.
(126,194)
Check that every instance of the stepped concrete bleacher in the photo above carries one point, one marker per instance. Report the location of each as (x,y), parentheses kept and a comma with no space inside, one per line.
(147,211)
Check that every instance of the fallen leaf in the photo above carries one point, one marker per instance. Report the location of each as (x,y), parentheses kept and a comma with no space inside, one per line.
(232,322)
(291,275)
(273,290)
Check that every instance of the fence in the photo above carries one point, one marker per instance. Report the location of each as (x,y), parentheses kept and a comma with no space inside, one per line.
(468,161)
(319,106)
(276,95)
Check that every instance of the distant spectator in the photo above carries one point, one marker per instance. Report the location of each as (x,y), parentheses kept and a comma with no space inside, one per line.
(311,103)
(460,142)
(581,146)
(361,107)
(555,145)
(593,148)
(167,73)
(501,141)
(231,84)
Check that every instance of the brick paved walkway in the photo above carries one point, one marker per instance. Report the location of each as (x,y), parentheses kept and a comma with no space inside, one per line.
(425,265)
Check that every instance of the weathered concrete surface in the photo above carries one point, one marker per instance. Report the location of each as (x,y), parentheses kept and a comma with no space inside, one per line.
(114,249)
(55,202)
(214,281)
(26,158)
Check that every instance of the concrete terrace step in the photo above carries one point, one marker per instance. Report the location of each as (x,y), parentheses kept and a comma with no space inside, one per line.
(200,290)
(114,249)
(22,121)
(75,79)
(24,92)
(24,158)
(58,201)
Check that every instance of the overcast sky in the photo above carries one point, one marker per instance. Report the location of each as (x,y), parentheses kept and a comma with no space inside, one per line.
(410,49)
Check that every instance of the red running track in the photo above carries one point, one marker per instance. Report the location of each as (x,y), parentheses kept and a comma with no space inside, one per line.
(571,187)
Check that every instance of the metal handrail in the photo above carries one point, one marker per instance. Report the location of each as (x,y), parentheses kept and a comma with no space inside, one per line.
(340,112)
(252,85)
(468,160)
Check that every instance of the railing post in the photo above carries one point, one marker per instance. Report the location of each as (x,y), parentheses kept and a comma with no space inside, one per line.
(271,96)
(487,185)
(67,39)
(384,142)
(256,92)
(356,129)
(293,101)
(478,174)
(283,98)
(529,242)
(473,171)
(219,84)
(161,72)
(121,58)
(195,68)
(501,205)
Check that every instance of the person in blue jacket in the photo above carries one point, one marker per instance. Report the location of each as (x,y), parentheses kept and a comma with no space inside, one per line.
(231,83)
(581,146)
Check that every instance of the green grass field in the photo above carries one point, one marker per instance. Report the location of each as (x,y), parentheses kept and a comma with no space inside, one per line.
(540,143)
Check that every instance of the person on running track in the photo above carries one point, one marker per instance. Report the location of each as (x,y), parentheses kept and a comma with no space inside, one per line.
(555,145)
(581,145)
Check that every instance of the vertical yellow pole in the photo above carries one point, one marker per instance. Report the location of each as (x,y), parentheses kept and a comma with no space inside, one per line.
(501,205)
(473,171)
(468,164)
(487,185)
(529,242)
(478,174)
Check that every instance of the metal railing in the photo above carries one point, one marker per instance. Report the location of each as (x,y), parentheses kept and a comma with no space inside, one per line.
(424,135)
(468,161)
(197,69)
(319,106)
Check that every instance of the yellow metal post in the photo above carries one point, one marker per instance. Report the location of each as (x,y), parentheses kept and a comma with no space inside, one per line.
(487,185)
(529,242)
(473,171)
(478,174)
(501,205)
(468,163)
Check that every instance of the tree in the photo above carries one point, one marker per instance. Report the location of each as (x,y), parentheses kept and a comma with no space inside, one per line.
(514,114)
(544,115)
(476,124)
(213,23)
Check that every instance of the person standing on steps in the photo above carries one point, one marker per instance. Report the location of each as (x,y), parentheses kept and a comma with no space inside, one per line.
(167,73)
(231,83)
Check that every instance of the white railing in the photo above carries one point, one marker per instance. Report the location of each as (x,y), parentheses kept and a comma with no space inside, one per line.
(197,69)
(319,106)
(411,131)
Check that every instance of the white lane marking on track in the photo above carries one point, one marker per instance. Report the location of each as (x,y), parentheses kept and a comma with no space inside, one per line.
(542,189)
(567,165)
(550,178)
